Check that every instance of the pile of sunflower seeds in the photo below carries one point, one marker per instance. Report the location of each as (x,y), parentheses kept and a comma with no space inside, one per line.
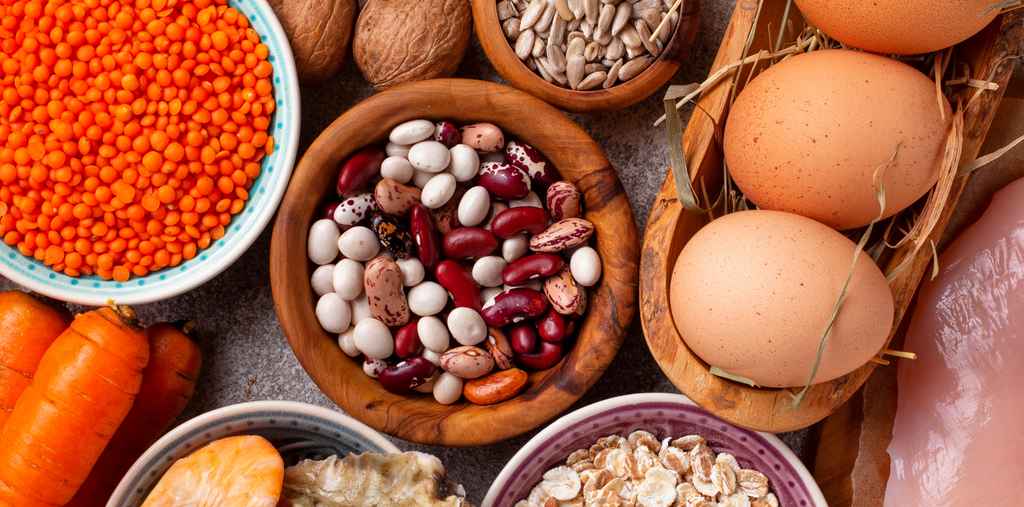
(641,471)
(586,44)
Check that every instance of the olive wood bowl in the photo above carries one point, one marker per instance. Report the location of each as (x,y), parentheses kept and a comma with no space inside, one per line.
(417,417)
(504,59)
(670,227)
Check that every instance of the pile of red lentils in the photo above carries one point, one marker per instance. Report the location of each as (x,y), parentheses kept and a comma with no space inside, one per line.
(130,132)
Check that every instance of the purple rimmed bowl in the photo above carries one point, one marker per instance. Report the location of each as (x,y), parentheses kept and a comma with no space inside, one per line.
(664,415)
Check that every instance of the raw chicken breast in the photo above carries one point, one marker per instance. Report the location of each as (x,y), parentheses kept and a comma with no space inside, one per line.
(958,437)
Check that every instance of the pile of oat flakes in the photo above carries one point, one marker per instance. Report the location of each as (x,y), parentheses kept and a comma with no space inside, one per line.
(642,471)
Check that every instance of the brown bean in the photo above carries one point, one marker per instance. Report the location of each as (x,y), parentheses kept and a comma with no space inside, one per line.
(500,348)
(496,387)
(395,198)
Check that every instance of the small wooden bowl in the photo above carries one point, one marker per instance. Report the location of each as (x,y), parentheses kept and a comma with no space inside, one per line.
(670,227)
(418,417)
(504,59)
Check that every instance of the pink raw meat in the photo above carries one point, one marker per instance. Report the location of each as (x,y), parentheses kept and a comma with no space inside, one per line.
(958,438)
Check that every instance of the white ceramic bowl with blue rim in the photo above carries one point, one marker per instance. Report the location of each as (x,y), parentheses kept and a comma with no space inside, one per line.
(245,227)
(664,415)
(297,430)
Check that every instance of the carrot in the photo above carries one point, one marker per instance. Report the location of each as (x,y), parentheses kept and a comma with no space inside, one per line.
(167,384)
(84,387)
(29,323)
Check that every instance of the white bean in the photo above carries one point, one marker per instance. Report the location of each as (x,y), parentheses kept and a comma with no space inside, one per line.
(421,178)
(348,279)
(359,243)
(487,294)
(429,156)
(397,168)
(536,285)
(322,244)
(430,355)
(397,150)
(427,298)
(361,309)
(474,206)
(412,132)
(433,335)
(467,326)
(322,280)
(374,339)
(347,342)
(412,271)
(447,389)
(487,270)
(494,156)
(333,313)
(428,386)
(465,162)
(585,266)
(438,190)
(515,247)
(531,199)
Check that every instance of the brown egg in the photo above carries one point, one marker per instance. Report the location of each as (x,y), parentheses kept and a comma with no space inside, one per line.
(899,27)
(752,293)
(807,135)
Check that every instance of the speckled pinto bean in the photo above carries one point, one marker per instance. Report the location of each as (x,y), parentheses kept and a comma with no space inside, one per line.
(359,169)
(500,348)
(562,235)
(548,355)
(407,340)
(383,282)
(407,375)
(446,218)
(541,171)
(458,281)
(523,336)
(468,242)
(483,137)
(514,305)
(467,362)
(496,387)
(424,236)
(531,267)
(513,221)
(393,235)
(551,326)
(354,210)
(395,198)
(446,134)
(563,200)
(503,181)
(565,295)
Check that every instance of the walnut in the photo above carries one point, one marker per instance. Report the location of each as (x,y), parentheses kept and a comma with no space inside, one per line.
(400,41)
(320,32)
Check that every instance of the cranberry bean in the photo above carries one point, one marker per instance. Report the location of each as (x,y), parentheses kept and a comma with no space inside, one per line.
(513,221)
(549,355)
(383,281)
(374,367)
(551,326)
(513,306)
(467,326)
(322,244)
(404,376)
(359,169)
(566,295)
(354,210)
(424,236)
(397,168)
(515,247)
(503,181)
(468,242)
(407,340)
(523,336)
(458,281)
(412,131)
(446,218)
(500,348)
(428,386)
(395,198)
(467,362)
(541,171)
(563,200)
(483,137)
(447,389)
(446,134)
(373,338)
(531,267)
(322,280)
(562,235)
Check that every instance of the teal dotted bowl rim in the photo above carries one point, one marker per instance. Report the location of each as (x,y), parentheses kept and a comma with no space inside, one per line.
(245,227)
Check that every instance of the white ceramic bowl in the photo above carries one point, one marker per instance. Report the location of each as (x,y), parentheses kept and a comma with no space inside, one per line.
(245,227)
(664,415)
(298,430)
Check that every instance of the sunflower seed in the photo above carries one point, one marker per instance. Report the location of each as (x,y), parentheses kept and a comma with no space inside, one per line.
(530,64)
(622,13)
(592,51)
(645,37)
(532,14)
(506,10)
(604,21)
(666,32)
(557,35)
(556,57)
(546,17)
(591,68)
(576,7)
(591,9)
(604,38)
(587,29)
(613,74)
(562,6)
(629,37)
(634,67)
(593,80)
(574,25)
(538,47)
(555,74)
(524,45)
(615,49)
(576,46)
(608,63)
(632,53)
(511,28)
(542,70)
(574,70)
(521,5)
(653,19)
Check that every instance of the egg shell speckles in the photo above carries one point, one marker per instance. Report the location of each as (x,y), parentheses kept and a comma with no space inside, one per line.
(899,27)
(752,293)
(807,135)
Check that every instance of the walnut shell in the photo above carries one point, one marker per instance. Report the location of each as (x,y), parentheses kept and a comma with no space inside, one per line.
(320,32)
(400,41)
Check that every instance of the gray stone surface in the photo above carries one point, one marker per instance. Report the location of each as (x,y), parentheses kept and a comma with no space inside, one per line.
(246,356)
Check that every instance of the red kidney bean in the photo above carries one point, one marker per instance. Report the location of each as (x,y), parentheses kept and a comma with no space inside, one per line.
(458,281)
(530,267)
(393,235)
(551,326)
(512,221)
(359,169)
(503,181)
(424,235)
(549,355)
(467,242)
(407,340)
(514,305)
(327,211)
(407,375)
(529,159)
(446,134)
(523,337)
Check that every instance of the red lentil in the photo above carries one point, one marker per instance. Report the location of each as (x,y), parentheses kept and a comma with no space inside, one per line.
(130,131)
